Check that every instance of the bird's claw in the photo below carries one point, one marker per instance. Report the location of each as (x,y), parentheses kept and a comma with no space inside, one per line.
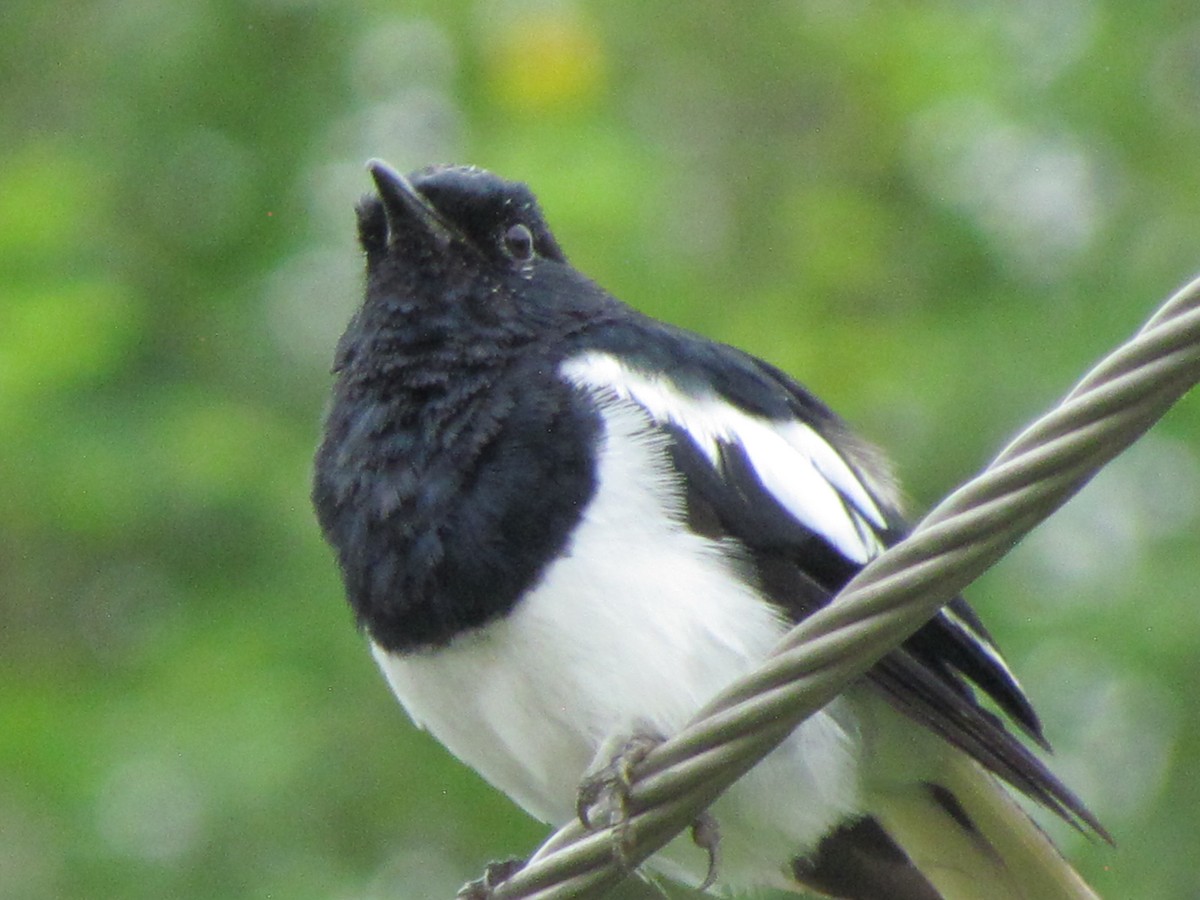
(706,834)
(607,788)
(495,874)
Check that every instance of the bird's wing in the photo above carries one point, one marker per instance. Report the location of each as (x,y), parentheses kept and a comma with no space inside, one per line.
(767,465)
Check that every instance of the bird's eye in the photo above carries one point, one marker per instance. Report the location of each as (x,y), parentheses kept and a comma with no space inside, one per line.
(518,242)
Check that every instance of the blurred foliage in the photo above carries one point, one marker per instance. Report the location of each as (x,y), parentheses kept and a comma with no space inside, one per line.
(936,214)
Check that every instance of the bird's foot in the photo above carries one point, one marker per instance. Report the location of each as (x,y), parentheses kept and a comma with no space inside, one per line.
(603,800)
(606,785)
(494,875)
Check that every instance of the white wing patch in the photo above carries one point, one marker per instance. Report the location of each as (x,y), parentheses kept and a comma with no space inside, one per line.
(800,469)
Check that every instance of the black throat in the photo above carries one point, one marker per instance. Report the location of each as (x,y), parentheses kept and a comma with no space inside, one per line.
(454,467)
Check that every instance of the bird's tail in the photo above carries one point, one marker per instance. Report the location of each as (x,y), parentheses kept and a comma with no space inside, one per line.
(972,841)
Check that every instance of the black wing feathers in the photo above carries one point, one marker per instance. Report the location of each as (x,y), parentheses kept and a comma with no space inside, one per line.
(930,677)
(947,649)
(949,710)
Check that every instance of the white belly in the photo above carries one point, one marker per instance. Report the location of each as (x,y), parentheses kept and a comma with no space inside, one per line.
(633,629)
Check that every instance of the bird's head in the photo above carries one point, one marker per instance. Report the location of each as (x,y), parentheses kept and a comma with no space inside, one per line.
(457,255)
(450,220)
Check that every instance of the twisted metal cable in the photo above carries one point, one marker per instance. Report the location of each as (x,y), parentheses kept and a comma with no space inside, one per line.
(887,601)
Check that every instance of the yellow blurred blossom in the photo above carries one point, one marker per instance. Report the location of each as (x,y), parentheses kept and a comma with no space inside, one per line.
(545,61)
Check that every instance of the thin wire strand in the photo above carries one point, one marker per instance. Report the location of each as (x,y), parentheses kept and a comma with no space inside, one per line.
(1043,467)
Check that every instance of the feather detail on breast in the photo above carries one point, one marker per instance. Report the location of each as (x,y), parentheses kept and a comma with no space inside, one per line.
(529,700)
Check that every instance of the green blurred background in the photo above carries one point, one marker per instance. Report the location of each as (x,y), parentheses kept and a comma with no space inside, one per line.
(936,214)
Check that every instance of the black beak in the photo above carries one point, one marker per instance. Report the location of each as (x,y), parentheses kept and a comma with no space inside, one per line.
(408,213)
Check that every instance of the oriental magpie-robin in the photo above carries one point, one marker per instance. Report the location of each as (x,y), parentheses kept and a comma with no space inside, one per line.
(562,524)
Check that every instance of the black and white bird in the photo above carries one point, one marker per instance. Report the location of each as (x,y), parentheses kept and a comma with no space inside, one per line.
(561,524)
